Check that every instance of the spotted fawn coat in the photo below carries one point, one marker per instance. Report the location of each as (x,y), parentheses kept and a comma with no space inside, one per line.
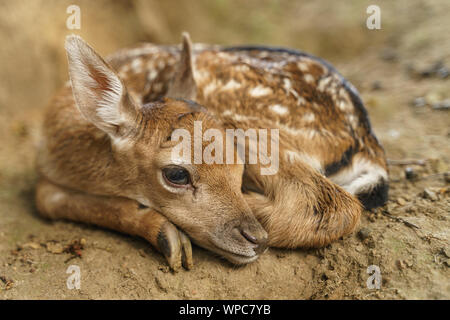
(106,126)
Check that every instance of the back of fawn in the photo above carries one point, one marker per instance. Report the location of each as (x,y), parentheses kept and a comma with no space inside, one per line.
(106,155)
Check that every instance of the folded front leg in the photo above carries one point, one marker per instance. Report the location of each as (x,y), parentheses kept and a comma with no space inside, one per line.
(120,214)
(299,207)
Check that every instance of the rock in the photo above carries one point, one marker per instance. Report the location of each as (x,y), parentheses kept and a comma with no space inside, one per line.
(389,55)
(32,245)
(161,283)
(411,174)
(400,264)
(433,97)
(446,252)
(54,247)
(441,105)
(430,195)
(364,233)
(401,201)
(83,241)
(447,177)
(419,102)
(376,85)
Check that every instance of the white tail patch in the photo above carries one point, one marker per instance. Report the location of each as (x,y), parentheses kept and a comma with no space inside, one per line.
(361,176)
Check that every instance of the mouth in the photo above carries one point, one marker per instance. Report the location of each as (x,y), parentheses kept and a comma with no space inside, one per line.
(233,257)
(236,258)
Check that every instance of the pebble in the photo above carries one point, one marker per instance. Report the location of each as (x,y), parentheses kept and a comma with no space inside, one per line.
(419,102)
(428,194)
(55,248)
(410,174)
(161,283)
(441,105)
(433,97)
(401,201)
(446,252)
(389,55)
(400,264)
(364,233)
(32,245)
(447,177)
(376,85)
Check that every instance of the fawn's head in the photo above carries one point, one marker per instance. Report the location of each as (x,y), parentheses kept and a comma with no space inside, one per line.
(204,200)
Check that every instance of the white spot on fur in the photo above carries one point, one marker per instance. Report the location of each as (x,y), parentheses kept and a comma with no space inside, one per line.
(353,120)
(242,68)
(136,65)
(227,113)
(312,133)
(280,109)
(231,85)
(301,101)
(152,75)
(309,78)
(302,66)
(201,76)
(260,91)
(210,88)
(293,156)
(287,85)
(309,117)
(345,106)
(323,83)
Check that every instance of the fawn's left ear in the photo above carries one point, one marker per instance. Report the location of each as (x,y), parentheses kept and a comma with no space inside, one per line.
(183,84)
(99,94)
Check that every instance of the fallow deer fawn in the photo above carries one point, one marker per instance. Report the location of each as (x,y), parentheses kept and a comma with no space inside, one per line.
(106,155)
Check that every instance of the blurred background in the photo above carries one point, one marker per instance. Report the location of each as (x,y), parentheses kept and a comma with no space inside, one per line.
(32,59)
(401,71)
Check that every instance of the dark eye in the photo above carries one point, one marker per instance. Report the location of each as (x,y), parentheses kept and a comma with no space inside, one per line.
(176,175)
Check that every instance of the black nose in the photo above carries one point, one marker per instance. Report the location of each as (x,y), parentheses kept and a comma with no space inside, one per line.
(257,236)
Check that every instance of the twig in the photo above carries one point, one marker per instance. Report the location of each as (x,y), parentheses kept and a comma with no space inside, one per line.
(407,223)
(434,175)
(406,162)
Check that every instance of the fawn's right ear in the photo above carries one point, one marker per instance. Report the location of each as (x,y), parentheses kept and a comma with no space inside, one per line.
(99,94)
(183,85)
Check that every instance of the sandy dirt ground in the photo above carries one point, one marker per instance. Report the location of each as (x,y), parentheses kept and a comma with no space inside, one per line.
(402,74)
